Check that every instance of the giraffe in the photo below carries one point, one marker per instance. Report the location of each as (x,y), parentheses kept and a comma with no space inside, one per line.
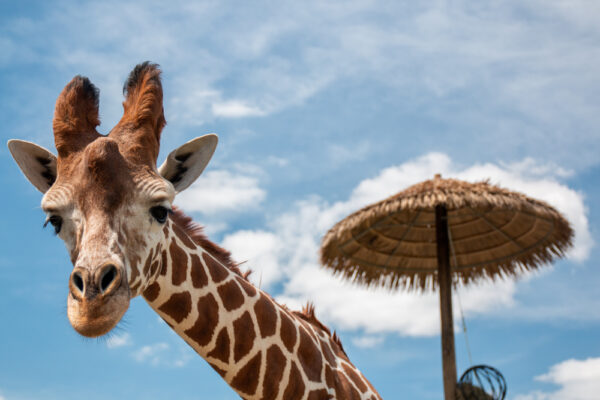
(108,201)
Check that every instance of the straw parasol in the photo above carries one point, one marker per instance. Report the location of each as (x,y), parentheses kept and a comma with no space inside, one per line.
(442,232)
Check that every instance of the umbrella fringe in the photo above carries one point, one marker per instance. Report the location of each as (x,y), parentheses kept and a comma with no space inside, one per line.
(426,279)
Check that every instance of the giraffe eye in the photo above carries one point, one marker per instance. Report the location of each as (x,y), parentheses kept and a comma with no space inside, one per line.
(55,221)
(160,213)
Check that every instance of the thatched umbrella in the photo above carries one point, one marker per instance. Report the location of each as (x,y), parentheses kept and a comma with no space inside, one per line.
(407,240)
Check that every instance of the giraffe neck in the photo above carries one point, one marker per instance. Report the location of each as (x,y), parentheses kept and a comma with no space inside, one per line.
(261,349)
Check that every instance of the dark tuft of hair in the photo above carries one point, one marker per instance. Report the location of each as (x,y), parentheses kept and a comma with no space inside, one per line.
(138,72)
(308,315)
(86,87)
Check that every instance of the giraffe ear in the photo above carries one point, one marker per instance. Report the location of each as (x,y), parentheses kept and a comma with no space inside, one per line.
(37,164)
(185,164)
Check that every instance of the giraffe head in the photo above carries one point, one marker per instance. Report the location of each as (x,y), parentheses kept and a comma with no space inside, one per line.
(104,195)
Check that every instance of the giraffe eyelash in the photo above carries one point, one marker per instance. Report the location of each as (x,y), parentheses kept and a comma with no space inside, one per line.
(161,213)
(56,222)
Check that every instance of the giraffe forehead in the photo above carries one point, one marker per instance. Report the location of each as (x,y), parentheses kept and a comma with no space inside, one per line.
(105,175)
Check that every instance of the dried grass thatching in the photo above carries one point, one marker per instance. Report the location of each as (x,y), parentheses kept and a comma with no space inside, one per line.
(494,233)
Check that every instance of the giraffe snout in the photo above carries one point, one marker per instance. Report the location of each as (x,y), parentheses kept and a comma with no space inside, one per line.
(88,284)
(97,299)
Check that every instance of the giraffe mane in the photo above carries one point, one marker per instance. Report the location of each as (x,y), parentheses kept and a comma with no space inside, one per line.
(308,315)
(196,232)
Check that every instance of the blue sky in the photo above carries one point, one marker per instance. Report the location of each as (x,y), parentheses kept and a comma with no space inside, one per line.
(321,108)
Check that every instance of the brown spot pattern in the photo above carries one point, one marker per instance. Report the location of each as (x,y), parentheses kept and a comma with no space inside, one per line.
(217,271)
(266,316)
(219,370)
(328,354)
(319,395)
(337,349)
(344,390)
(134,273)
(208,318)
(135,261)
(183,237)
(163,270)
(178,306)
(295,388)
(243,330)
(135,286)
(231,294)
(310,357)
(179,265)
(246,380)
(274,372)
(355,378)
(247,286)
(329,377)
(148,262)
(372,389)
(199,278)
(221,350)
(288,331)
(152,292)
(154,268)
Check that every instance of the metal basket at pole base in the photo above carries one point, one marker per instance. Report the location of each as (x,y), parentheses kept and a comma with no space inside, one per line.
(481,382)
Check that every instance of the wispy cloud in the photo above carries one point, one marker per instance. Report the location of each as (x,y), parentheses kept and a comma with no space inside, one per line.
(531,64)
(220,191)
(163,354)
(119,340)
(235,109)
(367,342)
(577,380)
(151,354)
(257,249)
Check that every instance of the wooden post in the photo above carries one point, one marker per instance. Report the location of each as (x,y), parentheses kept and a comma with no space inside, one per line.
(445,288)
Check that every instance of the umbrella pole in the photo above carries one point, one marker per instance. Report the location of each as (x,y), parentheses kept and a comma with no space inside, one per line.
(445,287)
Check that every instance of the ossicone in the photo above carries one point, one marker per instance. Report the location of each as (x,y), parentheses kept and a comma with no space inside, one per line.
(76,116)
(143,97)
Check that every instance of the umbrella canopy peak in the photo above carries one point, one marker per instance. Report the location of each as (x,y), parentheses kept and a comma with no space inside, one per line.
(494,233)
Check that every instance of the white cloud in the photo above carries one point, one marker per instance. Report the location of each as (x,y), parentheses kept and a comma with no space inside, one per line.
(151,354)
(119,340)
(578,380)
(220,191)
(289,250)
(235,109)
(164,354)
(367,342)
(530,91)
(349,307)
(258,250)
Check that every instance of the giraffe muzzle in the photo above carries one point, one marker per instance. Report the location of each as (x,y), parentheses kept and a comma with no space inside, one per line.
(97,299)
(101,282)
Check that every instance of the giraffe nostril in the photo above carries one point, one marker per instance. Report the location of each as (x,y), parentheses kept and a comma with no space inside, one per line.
(108,276)
(78,281)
